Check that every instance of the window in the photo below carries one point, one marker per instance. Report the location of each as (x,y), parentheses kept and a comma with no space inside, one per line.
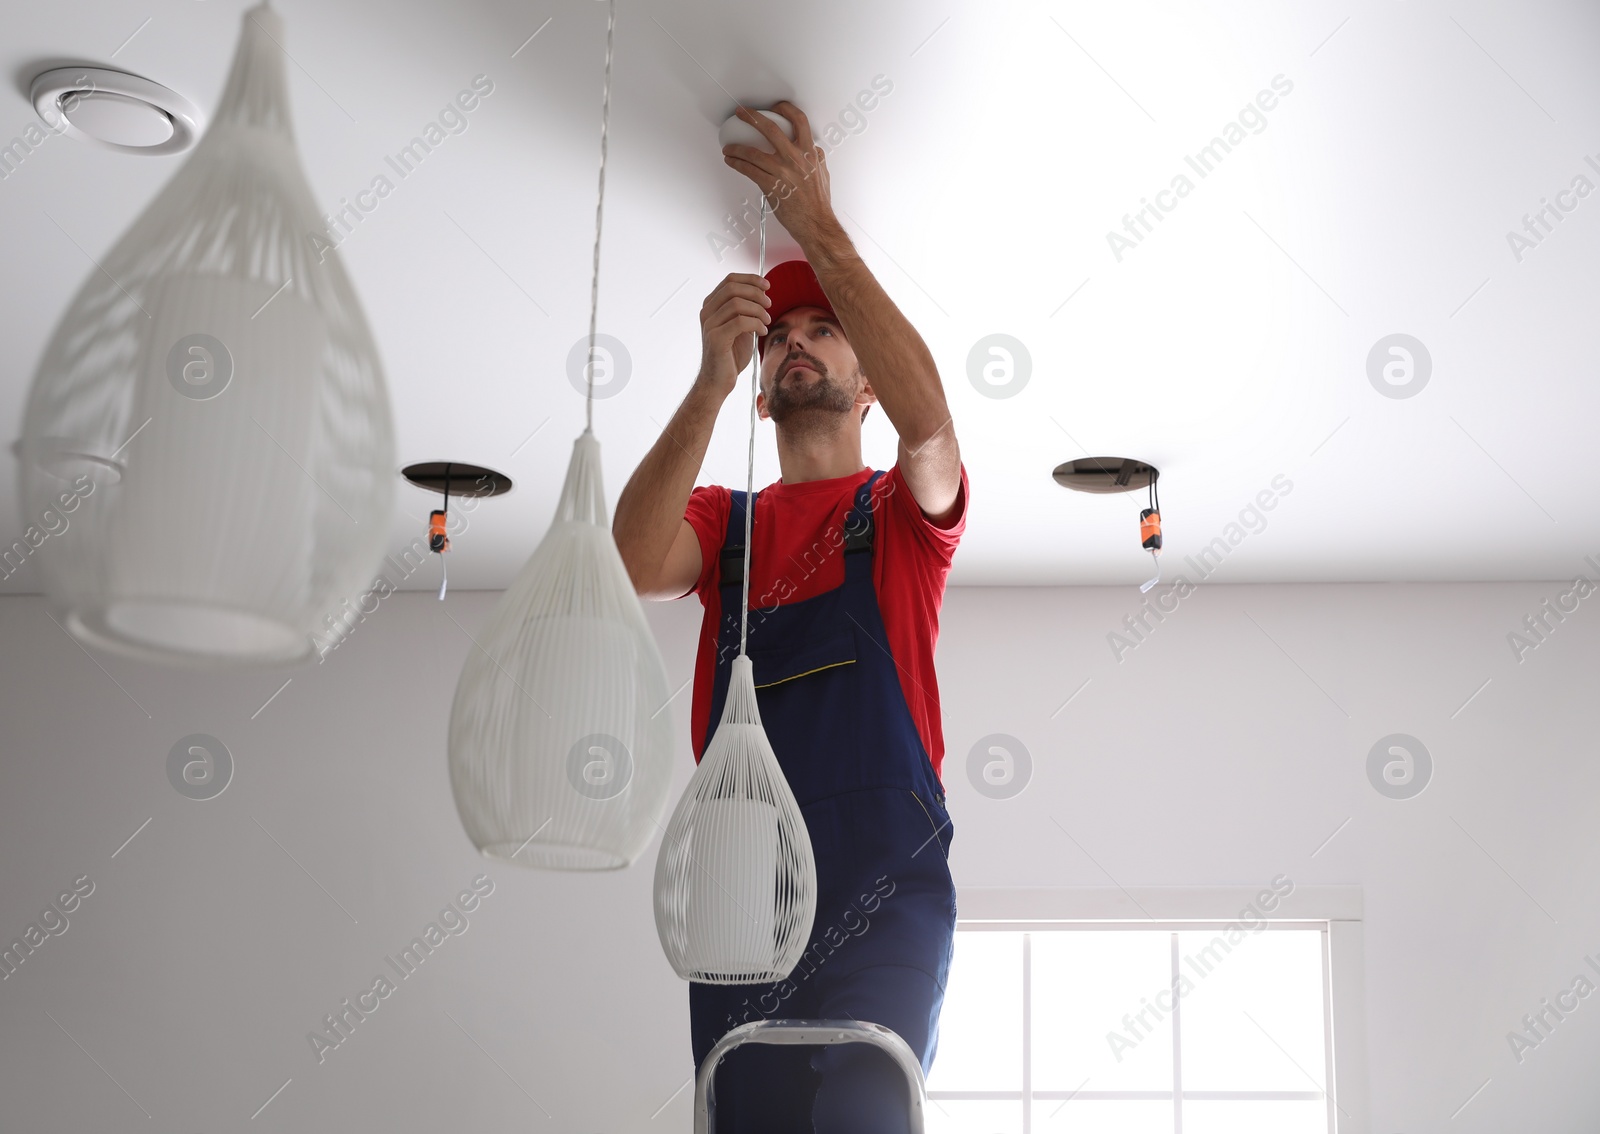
(1056,1027)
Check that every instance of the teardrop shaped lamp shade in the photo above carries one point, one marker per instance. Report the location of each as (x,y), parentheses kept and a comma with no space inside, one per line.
(560,738)
(736,880)
(213,406)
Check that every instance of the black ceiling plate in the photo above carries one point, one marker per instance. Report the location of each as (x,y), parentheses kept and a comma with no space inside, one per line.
(1104,474)
(465,479)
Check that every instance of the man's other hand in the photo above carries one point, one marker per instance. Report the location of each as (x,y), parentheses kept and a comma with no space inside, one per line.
(734,311)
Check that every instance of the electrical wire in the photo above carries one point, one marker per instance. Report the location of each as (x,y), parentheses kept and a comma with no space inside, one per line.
(1155,553)
(750,469)
(444,566)
(599,220)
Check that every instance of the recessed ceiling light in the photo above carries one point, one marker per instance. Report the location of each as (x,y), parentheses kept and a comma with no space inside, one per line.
(1104,474)
(115,110)
(461,478)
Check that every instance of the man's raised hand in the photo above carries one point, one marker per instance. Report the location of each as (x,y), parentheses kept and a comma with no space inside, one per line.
(735,309)
(792,176)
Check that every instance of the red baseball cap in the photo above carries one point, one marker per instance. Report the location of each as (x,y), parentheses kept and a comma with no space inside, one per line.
(793,284)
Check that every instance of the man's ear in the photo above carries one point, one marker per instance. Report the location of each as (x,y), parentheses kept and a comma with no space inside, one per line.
(761,406)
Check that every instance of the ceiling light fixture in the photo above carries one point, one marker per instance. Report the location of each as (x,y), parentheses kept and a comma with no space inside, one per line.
(735,131)
(1101,475)
(463,479)
(115,110)
(474,482)
(1106,475)
(560,746)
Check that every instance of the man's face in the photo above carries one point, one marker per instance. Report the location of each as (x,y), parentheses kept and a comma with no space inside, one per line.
(809,366)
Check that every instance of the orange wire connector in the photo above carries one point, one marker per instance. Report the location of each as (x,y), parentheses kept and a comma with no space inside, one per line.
(1150,529)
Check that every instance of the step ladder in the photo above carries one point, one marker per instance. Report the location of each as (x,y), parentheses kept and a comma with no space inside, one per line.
(812,1033)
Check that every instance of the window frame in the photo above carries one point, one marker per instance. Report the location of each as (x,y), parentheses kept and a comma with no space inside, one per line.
(1333,911)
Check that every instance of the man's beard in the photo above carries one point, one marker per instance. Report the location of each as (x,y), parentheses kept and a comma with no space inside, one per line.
(789,404)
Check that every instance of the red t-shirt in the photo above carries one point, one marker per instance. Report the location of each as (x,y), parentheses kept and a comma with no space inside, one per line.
(911,558)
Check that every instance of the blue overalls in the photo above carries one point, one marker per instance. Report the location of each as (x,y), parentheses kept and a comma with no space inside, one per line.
(880,947)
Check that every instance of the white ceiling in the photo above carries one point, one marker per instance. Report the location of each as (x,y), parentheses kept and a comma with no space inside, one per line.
(1229,348)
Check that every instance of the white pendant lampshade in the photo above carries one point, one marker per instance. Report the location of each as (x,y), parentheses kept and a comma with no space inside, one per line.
(560,742)
(736,881)
(213,405)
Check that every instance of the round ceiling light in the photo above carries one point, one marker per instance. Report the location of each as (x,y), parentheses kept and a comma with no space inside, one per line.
(128,121)
(115,110)
(737,132)
(460,478)
(1102,475)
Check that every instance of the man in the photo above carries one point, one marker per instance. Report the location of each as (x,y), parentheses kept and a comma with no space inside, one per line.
(847,574)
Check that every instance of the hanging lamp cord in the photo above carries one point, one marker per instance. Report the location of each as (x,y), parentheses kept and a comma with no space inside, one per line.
(444,565)
(750,467)
(599,219)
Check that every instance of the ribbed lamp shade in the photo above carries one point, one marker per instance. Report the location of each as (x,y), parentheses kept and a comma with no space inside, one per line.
(213,407)
(736,881)
(560,737)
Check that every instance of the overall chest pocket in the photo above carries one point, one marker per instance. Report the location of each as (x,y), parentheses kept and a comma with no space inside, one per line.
(775,667)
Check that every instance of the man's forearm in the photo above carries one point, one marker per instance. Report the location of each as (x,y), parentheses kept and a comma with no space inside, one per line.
(650,509)
(897,364)
(892,354)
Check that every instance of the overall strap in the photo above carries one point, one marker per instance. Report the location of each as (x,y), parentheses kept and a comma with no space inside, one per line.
(858,530)
(858,525)
(731,565)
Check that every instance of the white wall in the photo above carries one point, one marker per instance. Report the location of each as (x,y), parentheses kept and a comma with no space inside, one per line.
(1222,751)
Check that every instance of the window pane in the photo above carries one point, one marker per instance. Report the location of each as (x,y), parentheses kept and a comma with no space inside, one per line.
(1097,1025)
(1271,1117)
(946,1117)
(980,1028)
(1098,1116)
(1252,1015)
